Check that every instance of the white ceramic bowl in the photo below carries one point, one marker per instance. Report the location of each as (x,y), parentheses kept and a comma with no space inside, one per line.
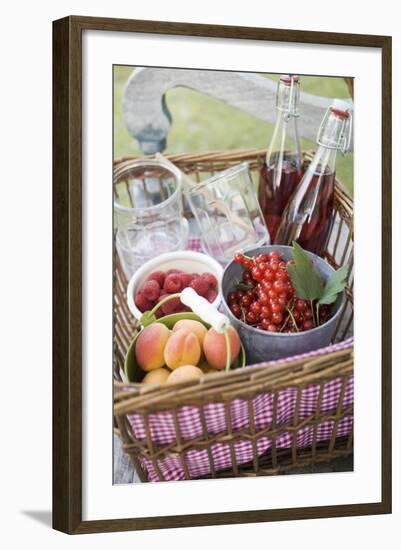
(191,262)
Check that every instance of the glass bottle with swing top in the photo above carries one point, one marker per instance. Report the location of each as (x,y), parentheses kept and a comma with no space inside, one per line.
(282,169)
(308,216)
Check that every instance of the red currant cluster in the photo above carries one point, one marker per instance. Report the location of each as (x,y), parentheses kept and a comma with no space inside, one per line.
(266,298)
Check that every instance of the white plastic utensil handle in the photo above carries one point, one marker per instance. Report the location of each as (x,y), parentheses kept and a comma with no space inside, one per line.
(204,309)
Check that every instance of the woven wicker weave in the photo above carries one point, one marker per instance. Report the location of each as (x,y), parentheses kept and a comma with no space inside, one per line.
(299,374)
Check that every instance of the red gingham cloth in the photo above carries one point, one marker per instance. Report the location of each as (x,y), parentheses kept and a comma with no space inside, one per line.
(163,432)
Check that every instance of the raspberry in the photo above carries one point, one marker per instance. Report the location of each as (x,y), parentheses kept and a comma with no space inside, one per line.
(151,290)
(159,313)
(173,283)
(170,271)
(182,309)
(211,279)
(161,297)
(186,278)
(158,276)
(211,295)
(171,306)
(142,303)
(199,285)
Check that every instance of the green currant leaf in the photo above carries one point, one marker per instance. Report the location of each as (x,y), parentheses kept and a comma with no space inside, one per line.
(304,277)
(334,286)
(147,318)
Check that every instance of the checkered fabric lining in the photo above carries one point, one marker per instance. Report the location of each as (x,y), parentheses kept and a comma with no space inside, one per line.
(163,432)
(172,468)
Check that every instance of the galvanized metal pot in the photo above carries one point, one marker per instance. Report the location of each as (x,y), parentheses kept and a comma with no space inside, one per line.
(263,346)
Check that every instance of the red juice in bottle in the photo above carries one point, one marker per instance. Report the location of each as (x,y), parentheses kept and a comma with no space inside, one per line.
(273,200)
(282,169)
(311,227)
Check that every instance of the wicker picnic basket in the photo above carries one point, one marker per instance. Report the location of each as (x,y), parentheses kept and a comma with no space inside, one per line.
(260,420)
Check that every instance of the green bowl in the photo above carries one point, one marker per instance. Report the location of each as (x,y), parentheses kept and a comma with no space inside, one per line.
(133,371)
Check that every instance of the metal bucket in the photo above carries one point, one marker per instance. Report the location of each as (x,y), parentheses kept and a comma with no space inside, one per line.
(263,346)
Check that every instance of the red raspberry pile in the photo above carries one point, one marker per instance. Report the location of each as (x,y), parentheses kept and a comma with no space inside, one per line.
(266,298)
(160,284)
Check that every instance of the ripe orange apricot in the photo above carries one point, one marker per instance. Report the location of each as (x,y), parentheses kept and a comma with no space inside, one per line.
(150,344)
(214,347)
(157,376)
(192,326)
(182,348)
(184,373)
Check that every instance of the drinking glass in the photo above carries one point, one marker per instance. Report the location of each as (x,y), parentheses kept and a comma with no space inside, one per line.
(228,213)
(148,212)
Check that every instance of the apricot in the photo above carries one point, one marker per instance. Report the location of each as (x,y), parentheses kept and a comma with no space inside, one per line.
(182,348)
(214,347)
(185,373)
(192,326)
(157,376)
(150,345)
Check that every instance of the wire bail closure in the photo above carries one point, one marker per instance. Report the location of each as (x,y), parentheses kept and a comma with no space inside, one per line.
(343,142)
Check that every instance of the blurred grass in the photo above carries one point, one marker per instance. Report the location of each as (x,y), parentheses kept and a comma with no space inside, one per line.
(202,123)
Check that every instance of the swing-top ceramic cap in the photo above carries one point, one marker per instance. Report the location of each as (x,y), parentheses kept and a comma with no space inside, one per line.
(341,105)
(333,134)
(288,77)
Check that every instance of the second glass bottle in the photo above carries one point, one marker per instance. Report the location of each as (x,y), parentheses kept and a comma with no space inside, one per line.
(308,216)
(282,170)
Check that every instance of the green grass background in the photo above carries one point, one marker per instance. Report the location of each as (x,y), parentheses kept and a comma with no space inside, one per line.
(202,123)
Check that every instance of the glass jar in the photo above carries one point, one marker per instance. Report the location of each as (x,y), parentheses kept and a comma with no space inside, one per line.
(148,212)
